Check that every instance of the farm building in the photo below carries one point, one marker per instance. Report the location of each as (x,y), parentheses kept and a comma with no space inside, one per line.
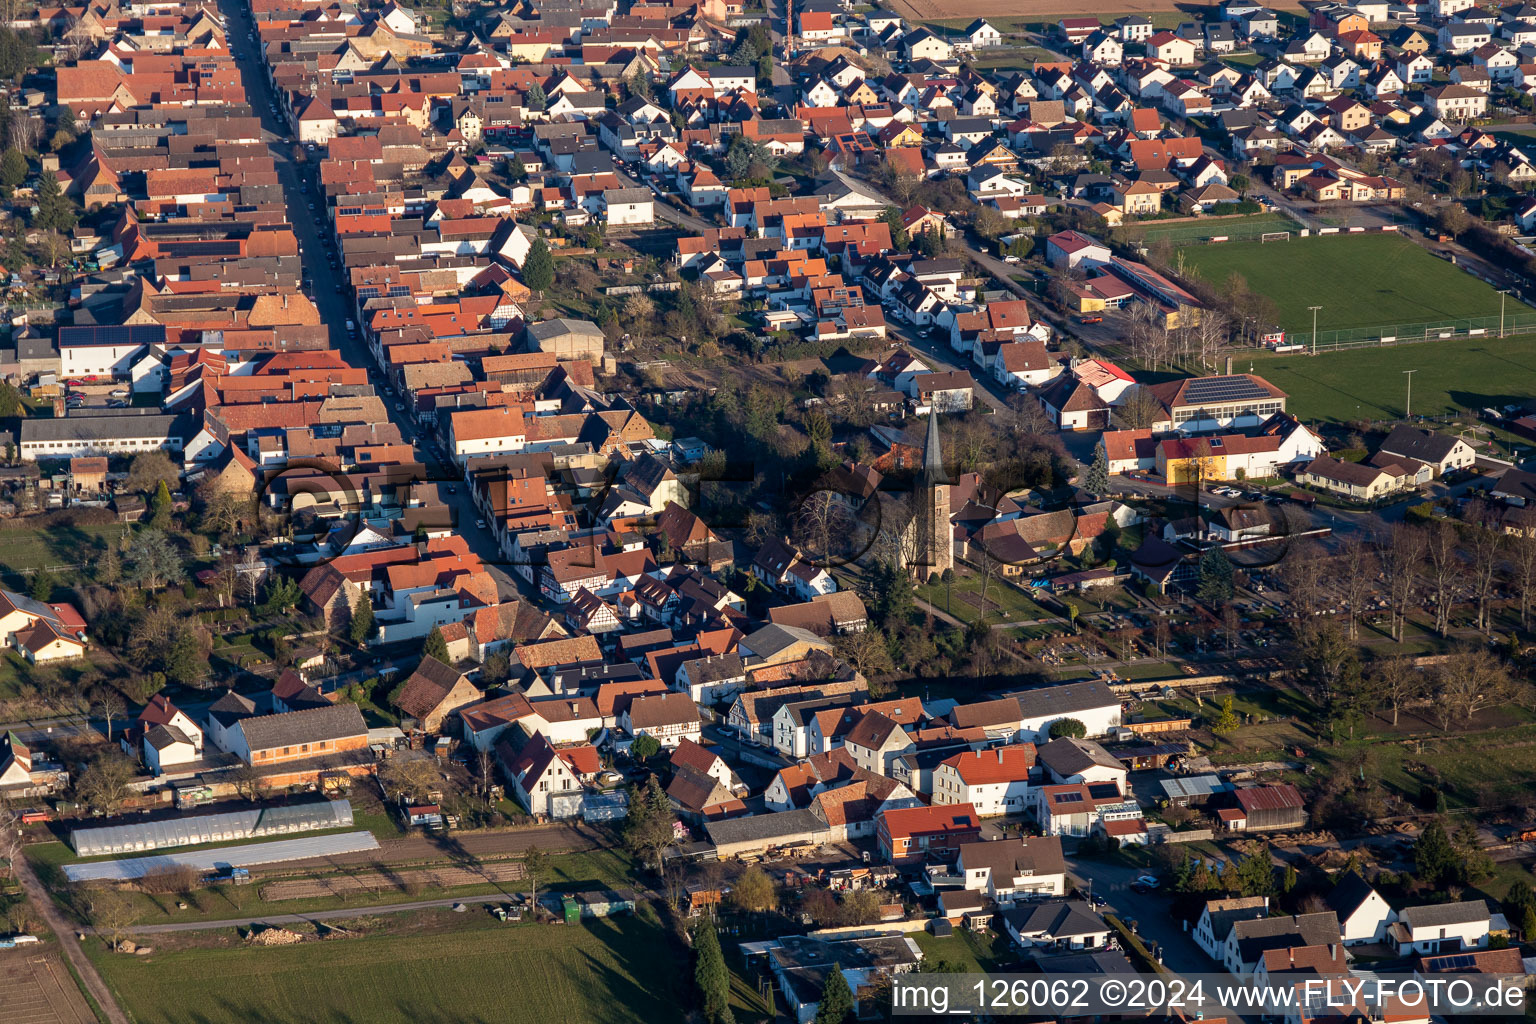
(254,823)
(1264,807)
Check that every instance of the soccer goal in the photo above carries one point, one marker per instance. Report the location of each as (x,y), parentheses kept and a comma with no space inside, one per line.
(1275,236)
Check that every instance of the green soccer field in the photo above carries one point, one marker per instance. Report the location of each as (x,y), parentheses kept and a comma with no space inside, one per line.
(621,970)
(1374,282)
(1369,383)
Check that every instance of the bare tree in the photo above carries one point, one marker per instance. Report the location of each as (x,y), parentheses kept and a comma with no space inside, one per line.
(1400,682)
(823,523)
(1400,560)
(1139,410)
(1468,681)
(407,776)
(10,836)
(1162,632)
(1444,573)
(1230,621)
(1027,417)
(986,565)
(109,704)
(1485,550)
(1301,574)
(1522,571)
(487,766)
(246,780)
(103,785)
(112,914)
(1357,579)
(1212,334)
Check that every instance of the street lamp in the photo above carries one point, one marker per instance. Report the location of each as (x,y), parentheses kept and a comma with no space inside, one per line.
(1314,310)
(1502,293)
(1408,402)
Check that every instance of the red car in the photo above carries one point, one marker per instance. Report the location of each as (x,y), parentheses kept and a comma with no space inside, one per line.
(1090,319)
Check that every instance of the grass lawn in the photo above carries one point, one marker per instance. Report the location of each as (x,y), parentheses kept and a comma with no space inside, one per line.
(964,599)
(24,550)
(1368,383)
(604,971)
(1373,282)
(1251,226)
(971,952)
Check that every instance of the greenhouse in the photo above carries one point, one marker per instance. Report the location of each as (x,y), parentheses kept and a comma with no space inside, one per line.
(229,826)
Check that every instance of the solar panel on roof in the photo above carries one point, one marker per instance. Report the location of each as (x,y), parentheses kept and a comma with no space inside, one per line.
(121,334)
(221,248)
(1223,389)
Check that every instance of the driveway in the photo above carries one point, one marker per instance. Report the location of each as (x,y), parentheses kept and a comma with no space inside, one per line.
(1149,911)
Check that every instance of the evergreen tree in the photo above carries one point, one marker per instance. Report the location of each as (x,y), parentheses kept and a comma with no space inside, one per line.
(710,973)
(1071,727)
(836,998)
(1433,855)
(54,210)
(516,169)
(536,97)
(13,168)
(891,590)
(1215,571)
(1226,721)
(184,662)
(361,627)
(160,507)
(899,236)
(539,266)
(435,646)
(1096,480)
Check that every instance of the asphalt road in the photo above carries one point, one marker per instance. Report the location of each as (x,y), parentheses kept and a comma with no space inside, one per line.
(1148,910)
(306,214)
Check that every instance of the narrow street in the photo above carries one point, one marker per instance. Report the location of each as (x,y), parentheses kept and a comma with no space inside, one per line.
(328,288)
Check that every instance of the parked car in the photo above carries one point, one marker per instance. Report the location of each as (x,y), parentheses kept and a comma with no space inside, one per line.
(1092,318)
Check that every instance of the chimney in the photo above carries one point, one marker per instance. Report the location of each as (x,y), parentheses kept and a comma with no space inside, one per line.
(1229,366)
(999,755)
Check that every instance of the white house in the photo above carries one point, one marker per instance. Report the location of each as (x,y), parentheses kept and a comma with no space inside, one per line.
(1363,915)
(1094,704)
(1248,939)
(995,781)
(629,206)
(1055,924)
(1007,870)
(1219,916)
(538,773)
(1444,928)
(1067,760)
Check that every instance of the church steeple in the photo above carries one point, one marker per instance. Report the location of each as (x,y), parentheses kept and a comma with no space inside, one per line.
(935,544)
(933,454)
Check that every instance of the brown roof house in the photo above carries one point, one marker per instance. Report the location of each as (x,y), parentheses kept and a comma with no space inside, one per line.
(433,692)
(668,718)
